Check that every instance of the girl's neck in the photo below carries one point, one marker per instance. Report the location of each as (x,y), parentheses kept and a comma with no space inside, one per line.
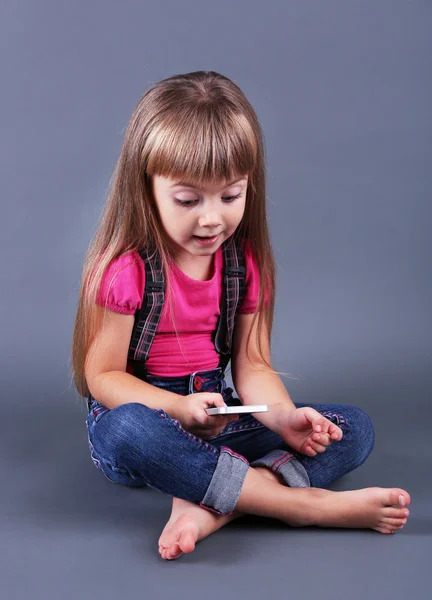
(200,268)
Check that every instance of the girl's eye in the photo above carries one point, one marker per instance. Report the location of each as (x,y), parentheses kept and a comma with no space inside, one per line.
(231,198)
(227,199)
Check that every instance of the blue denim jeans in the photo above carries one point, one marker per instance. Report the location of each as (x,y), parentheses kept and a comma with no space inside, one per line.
(135,445)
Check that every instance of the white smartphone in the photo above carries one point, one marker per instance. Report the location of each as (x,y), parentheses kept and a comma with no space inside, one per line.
(233,410)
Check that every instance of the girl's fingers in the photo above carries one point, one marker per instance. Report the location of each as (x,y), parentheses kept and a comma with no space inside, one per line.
(323,425)
(320,441)
(323,439)
(317,447)
(310,451)
(319,425)
(335,432)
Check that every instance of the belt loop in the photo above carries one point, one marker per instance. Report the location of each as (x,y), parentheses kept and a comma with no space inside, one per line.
(191,382)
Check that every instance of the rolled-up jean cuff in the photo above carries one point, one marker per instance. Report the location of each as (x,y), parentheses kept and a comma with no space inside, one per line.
(284,463)
(227,482)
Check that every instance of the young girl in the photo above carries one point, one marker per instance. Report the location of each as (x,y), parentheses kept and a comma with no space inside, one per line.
(146,354)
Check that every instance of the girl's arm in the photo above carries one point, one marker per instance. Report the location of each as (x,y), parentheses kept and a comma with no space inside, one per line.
(113,388)
(254,386)
(105,367)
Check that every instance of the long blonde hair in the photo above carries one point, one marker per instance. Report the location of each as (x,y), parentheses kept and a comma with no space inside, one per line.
(197,126)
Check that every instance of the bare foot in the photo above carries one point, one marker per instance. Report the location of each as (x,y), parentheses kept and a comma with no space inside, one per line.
(376,508)
(189,523)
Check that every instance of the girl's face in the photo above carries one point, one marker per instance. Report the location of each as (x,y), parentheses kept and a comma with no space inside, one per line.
(187,211)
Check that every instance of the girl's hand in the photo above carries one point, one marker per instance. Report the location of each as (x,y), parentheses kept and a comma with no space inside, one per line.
(193,417)
(306,431)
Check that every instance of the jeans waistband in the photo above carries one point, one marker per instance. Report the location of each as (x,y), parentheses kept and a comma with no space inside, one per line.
(200,381)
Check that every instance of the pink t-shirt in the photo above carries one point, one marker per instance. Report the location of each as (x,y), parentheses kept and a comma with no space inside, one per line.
(196,307)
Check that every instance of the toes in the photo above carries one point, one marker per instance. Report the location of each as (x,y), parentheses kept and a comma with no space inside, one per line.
(396,513)
(169,537)
(174,552)
(187,542)
(165,538)
(171,553)
(181,538)
(165,547)
(382,530)
(393,522)
(399,497)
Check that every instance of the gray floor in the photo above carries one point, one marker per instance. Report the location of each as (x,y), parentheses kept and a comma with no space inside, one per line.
(69,532)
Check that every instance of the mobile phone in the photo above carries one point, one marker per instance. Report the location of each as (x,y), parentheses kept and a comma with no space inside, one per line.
(233,410)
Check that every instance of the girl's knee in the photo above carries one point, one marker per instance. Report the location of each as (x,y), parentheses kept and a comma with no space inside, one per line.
(126,429)
(363,434)
(122,442)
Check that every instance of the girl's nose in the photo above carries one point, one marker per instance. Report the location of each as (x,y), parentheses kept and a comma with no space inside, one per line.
(212,219)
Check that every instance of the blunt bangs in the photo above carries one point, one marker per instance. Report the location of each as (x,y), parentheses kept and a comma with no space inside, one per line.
(201,147)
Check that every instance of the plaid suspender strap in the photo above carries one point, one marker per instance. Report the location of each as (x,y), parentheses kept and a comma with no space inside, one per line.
(148,316)
(234,284)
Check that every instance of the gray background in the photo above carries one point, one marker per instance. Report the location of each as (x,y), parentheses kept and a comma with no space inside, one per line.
(343,92)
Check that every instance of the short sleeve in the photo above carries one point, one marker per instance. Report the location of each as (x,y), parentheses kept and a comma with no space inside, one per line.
(122,286)
(250,299)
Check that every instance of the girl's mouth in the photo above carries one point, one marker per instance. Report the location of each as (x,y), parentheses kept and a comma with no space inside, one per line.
(206,241)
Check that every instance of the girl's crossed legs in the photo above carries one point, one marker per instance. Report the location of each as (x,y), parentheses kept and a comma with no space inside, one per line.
(185,466)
